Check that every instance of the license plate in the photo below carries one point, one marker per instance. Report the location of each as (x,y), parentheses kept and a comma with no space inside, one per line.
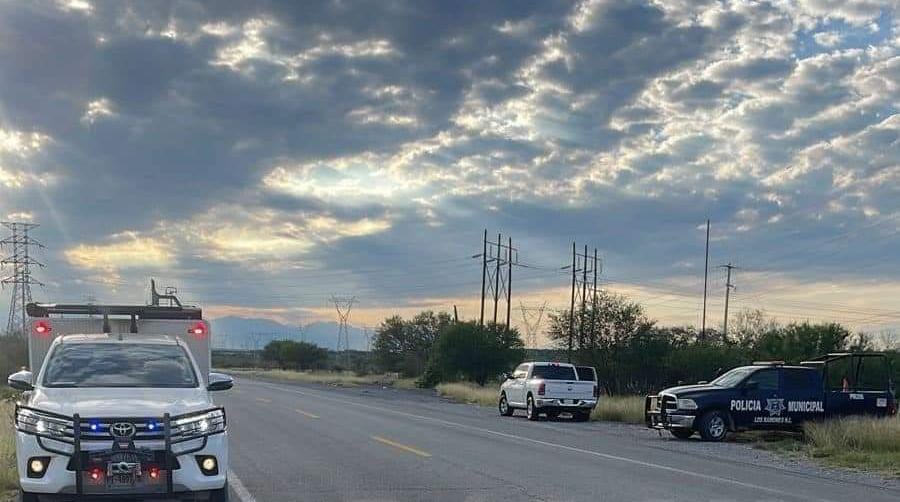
(120,481)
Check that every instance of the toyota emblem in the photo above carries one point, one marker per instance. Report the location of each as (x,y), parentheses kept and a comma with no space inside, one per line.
(122,430)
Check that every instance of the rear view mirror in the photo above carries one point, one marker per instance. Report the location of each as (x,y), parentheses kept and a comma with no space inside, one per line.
(219,381)
(21,381)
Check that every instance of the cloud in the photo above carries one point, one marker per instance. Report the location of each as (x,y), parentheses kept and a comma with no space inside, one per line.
(124,251)
(203,141)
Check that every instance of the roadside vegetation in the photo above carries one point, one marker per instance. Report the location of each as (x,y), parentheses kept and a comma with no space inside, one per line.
(468,393)
(627,409)
(8,476)
(858,443)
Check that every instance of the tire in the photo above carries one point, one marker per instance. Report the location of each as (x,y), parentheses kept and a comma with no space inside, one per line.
(504,408)
(682,433)
(531,411)
(713,426)
(28,497)
(220,495)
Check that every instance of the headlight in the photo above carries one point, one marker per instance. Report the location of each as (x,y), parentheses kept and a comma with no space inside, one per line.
(200,424)
(685,404)
(45,424)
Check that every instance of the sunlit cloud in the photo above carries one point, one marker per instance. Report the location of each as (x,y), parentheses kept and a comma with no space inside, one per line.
(124,251)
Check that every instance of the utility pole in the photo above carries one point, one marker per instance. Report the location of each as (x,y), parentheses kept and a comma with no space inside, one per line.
(455,314)
(20,244)
(594,301)
(705,280)
(581,262)
(497,260)
(572,307)
(728,287)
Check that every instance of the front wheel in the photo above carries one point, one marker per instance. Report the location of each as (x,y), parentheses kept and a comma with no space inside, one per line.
(220,495)
(713,426)
(504,407)
(682,433)
(530,411)
(27,497)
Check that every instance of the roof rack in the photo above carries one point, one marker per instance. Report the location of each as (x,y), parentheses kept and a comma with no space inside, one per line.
(138,311)
(768,363)
(834,356)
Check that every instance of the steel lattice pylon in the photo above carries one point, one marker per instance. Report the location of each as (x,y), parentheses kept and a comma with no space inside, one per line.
(343,305)
(19,244)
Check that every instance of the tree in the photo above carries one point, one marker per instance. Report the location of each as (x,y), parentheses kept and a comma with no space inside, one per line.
(467,351)
(403,346)
(288,354)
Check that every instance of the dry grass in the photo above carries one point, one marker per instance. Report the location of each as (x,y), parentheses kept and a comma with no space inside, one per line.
(469,393)
(857,443)
(9,479)
(628,409)
(340,379)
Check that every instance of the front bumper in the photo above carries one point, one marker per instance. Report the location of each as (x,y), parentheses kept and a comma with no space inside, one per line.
(565,404)
(658,416)
(177,462)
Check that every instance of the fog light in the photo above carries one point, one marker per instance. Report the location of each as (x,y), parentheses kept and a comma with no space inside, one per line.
(208,464)
(37,466)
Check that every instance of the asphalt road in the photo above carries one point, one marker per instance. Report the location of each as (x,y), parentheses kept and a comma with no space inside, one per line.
(310,443)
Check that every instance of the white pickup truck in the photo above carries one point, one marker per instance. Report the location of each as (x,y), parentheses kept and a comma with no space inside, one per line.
(548,388)
(119,405)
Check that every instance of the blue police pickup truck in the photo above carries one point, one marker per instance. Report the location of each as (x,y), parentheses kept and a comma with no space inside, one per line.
(773,395)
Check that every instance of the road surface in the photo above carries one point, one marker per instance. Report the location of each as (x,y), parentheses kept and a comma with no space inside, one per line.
(311,443)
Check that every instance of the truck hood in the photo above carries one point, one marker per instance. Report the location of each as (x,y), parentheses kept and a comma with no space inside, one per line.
(120,402)
(692,389)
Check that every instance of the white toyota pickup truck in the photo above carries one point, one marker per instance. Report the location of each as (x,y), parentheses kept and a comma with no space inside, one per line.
(548,388)
(124,410)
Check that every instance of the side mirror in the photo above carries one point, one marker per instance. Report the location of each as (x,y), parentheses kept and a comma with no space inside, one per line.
(21,381)
(505,376)
(219,381)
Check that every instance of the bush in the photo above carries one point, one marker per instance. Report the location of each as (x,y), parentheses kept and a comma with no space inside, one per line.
(628,409)
(467,351)
(13,355)
(288,354)
(469,393)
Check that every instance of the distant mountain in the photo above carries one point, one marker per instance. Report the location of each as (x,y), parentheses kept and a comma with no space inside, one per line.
(247,333)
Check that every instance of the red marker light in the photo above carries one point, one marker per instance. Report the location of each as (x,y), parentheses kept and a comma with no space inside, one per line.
(96,473)
(154,472)
(198,329)
(42,328)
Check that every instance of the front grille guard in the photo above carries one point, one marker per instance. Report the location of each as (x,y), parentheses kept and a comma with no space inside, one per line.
(74,438)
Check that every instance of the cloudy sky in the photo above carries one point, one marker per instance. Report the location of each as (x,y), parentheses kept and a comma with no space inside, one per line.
(261,156)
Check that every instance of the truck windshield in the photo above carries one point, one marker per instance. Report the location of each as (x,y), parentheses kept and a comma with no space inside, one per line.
(554,372)
(119,365)
(733,377)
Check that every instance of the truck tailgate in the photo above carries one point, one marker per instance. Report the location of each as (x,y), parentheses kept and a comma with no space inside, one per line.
(564,389)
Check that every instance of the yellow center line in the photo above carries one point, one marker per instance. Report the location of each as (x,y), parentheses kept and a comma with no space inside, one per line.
(408,449)
(263,400)
(306,414)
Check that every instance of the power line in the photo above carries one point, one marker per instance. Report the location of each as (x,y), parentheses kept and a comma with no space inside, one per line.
(343,306)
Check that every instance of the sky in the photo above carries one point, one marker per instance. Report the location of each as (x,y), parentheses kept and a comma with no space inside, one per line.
(262,156)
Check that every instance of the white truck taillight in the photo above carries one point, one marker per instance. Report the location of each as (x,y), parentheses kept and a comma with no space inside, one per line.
(542,389)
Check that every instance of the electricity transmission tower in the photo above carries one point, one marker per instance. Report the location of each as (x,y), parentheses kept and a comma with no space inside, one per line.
(531,321)
(728,287)
(497,260)
(588,267)
(19,244)
(343,305)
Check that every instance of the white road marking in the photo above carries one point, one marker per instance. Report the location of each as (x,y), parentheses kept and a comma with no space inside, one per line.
(608,456)
(238,487)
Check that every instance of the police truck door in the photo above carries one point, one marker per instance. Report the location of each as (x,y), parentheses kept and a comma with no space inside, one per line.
(761,402)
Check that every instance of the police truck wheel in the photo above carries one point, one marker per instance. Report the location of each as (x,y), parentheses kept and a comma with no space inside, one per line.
(682,433)
(220,495)
(530,411)
(504,407)
(713,426)
(28,497)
